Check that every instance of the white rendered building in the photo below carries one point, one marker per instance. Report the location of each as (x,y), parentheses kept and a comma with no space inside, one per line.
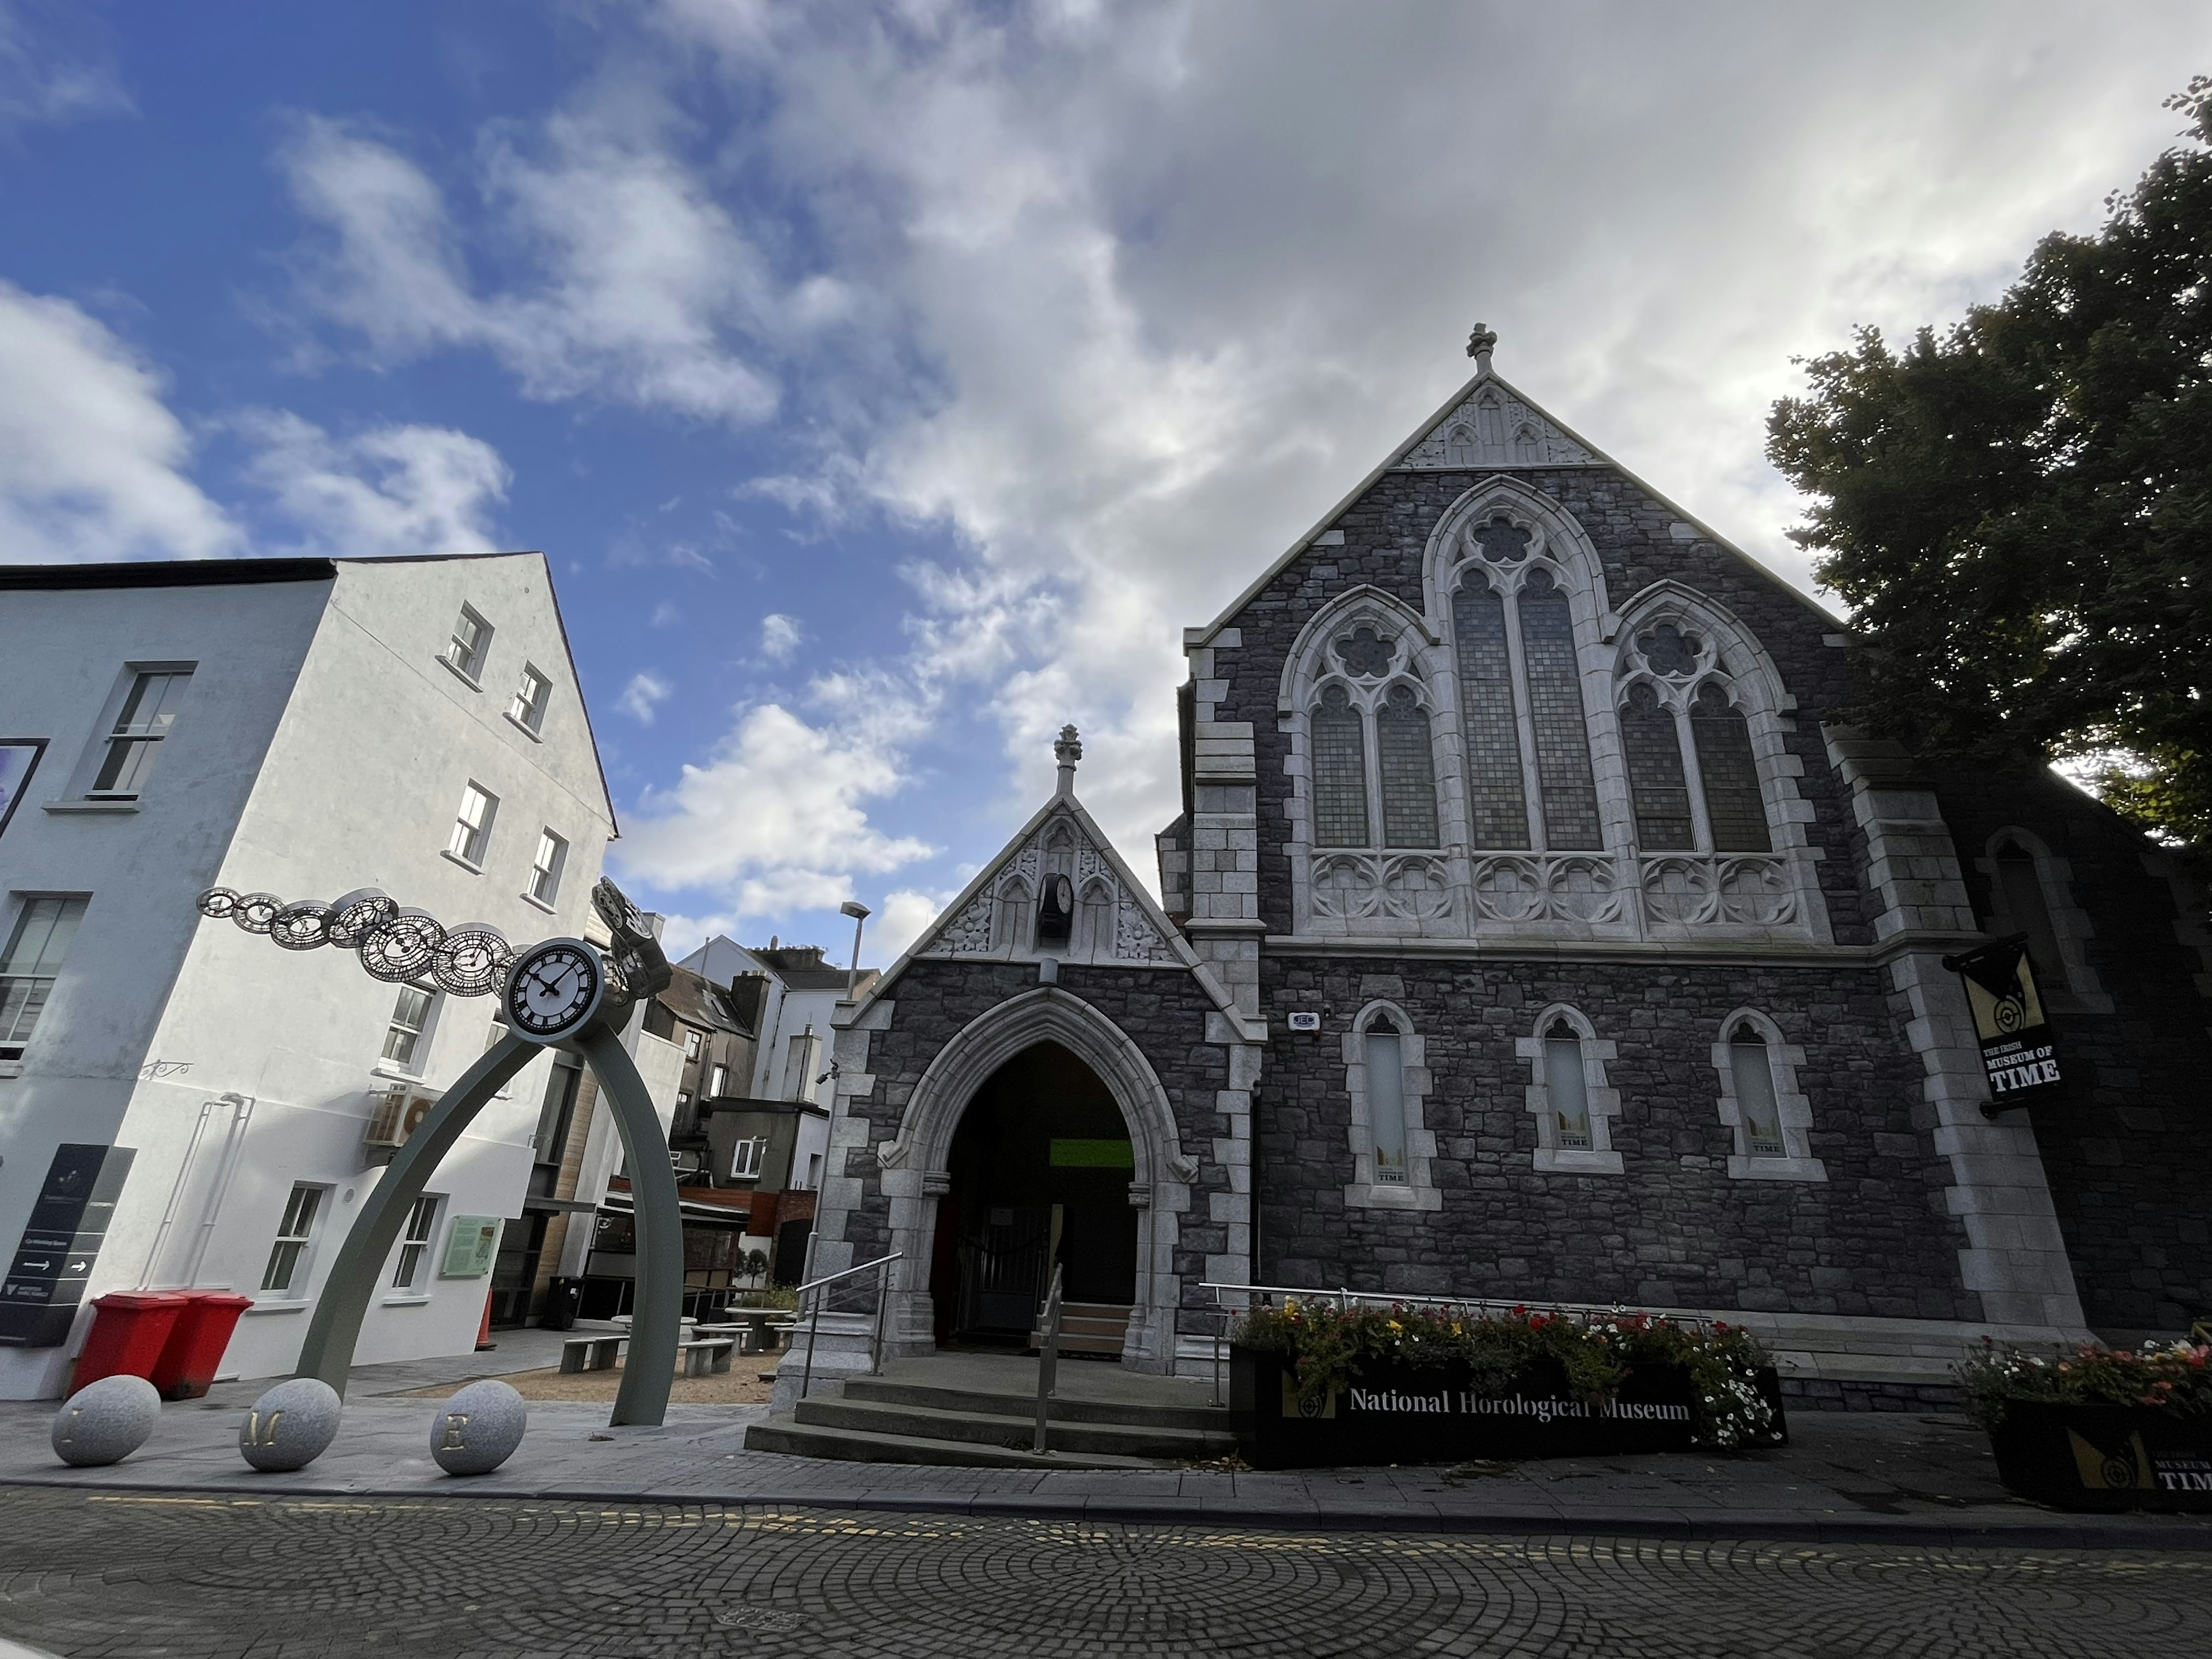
(792,1057)
(301,727)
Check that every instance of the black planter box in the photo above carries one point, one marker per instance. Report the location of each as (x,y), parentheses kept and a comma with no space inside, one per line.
(2104,1457)
(1401,1414)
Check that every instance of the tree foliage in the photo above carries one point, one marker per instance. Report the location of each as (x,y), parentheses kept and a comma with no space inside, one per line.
(2019,510)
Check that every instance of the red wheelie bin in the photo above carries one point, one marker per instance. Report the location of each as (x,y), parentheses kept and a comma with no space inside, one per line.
(129,1328)
(194,1350)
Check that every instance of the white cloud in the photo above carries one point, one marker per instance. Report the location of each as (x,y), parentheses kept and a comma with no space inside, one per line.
(91,461)
(392,489)
(779,636)
(646,691)
(901,920)
(640,289)
(46,82)
(775,821)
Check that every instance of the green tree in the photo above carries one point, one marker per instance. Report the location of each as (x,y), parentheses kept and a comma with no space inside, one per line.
(2019,510)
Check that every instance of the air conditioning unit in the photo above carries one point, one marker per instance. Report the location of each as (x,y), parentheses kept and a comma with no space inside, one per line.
(394,1114)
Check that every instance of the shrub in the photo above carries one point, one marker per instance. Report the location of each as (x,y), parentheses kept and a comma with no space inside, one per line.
(2176,1377)
(1327,1344)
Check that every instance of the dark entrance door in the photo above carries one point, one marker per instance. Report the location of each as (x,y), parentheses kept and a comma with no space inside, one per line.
(1041,1167)
(514,1270)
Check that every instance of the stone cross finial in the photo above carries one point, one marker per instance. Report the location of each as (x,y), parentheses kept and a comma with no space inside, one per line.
(1068,750)
(1479,344)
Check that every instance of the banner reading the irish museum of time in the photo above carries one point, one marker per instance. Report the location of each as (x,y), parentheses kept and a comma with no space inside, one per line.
(2019,1053)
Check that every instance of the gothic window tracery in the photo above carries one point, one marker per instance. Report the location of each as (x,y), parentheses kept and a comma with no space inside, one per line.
(1692,775)
(1526,733)
(1374,750)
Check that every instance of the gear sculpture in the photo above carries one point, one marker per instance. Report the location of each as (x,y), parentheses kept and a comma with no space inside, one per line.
(400,946)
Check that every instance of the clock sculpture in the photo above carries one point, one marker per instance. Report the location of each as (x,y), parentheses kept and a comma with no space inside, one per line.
(561,993)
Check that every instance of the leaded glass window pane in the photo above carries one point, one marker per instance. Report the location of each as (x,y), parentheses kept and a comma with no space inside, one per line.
(1409,770)
(1555,710)
(1733,804)
(1566,1086)
(1386,1101)
(1497,802)
(1753,1072)
(1339,763)
(1656,782)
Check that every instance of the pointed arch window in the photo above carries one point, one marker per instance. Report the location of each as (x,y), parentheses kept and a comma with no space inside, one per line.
(1373,750)
(1523,723)
(2021,883)
(1392,1147)
(1386,1100)
(1767,1116)
(1568,1095)
(1563,1078)
(1752,1070)
(1692,776)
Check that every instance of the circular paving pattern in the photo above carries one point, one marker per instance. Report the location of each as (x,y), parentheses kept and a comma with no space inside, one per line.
(186,1577)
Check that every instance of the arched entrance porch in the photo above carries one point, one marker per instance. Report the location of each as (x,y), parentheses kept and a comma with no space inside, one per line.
(1039,1172)
(918,1166)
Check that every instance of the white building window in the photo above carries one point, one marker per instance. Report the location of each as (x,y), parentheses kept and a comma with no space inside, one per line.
(471,641)
(721,1083)
(745,1159)
(1767,1116)
(530,697)
(691,1044)
(1568,1095)
(287,1272)
(1392,1146)
(149,708)
(545,869)
(406,1037)
(415,1243)
(43,929)
(472,836)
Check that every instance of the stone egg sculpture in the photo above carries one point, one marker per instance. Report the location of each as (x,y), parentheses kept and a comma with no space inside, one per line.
(291,1425)
(478,1429)
(105,1422)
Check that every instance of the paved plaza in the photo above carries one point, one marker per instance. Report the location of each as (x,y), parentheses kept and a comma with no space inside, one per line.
(219,1576)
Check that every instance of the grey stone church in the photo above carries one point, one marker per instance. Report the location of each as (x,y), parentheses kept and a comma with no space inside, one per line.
(1534,932)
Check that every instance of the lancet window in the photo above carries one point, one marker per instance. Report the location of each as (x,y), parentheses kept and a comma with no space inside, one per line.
(1526,733)
(1692,776)
(1373,749)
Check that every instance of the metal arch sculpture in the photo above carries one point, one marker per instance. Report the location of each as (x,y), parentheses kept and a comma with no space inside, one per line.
(470,961)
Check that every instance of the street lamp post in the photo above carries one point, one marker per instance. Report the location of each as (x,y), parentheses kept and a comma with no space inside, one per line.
(860,914)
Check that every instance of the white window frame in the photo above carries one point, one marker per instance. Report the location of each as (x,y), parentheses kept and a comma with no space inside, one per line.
(748,1158)
(528,711)
(1419,1191)
(718,1080)
(413,1065)
(297,1235)
(469,663)
(542,874)
(1601,1099)
(694,1040)
(2070,925)
(1793,1111)
(117,730)
(468,845)
(16,1039)
(411,1265)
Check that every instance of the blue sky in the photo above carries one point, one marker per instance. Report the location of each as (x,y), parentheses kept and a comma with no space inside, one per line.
(891,383)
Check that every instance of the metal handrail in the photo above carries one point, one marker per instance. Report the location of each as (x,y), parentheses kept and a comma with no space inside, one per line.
(1048,1355)
(814,1322)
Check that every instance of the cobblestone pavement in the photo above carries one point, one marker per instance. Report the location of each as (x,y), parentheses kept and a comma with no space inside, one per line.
(209,1576)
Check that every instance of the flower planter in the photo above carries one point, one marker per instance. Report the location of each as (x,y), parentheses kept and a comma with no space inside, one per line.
(1429,1414)
(2104,1457)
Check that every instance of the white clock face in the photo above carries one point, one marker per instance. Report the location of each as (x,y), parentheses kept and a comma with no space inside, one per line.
(554,989)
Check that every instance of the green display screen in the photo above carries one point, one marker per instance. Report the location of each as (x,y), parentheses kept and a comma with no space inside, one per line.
(1093,1154)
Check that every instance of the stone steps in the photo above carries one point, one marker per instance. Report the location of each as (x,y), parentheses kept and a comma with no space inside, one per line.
(990,1423)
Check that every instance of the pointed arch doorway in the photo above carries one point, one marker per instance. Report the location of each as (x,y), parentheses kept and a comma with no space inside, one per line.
(1039,1172)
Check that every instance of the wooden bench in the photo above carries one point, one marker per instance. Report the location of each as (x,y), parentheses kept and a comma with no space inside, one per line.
(707,1355)
(590,1353)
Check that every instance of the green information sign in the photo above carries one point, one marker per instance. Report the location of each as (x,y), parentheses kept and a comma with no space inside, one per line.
(472,1246)
(1093,1154)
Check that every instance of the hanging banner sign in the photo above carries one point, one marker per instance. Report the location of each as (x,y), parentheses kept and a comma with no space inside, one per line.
(2020,1054)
